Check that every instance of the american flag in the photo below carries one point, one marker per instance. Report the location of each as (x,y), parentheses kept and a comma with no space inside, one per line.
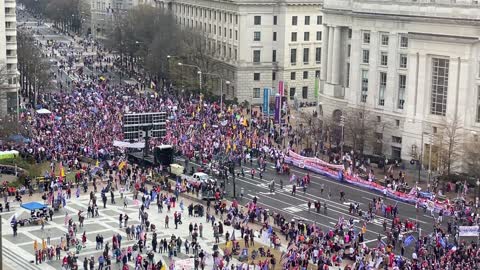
(340,220)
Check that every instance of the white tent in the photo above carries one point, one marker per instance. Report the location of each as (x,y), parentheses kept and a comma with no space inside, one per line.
(43,111)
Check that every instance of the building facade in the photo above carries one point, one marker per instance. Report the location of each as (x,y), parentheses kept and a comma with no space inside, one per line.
(260,43)
(8,59)
(413,64)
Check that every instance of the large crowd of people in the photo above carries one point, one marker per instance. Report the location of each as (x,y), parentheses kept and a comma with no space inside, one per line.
(86,118)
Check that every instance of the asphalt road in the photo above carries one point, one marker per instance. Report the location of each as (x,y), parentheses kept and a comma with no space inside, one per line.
(295,207)
(45,31)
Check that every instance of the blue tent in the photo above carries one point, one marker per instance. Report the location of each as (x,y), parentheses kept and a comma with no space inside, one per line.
(33,206)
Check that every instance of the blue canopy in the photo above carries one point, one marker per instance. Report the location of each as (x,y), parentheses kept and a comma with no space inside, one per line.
(33,206)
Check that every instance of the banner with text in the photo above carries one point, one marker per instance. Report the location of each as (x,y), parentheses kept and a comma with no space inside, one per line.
(468,231)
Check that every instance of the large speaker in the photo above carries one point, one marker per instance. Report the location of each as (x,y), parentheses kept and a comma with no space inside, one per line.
(163,155)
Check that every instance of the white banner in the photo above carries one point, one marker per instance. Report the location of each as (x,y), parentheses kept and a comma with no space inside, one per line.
(468,231)
(121,144)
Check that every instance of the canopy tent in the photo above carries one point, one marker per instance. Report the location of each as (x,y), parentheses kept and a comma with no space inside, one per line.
(24,211)
(43,111)
(33,206)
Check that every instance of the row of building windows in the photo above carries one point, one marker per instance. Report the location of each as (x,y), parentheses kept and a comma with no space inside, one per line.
(293,56)
(257,20)
(293,75)
(402,84)
(384,39)
(402,63)
(206,13)
(291,92)
(211,28)
(306,36)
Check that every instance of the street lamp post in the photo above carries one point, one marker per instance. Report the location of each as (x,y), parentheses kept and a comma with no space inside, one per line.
(199,73)
(477,193)
(168,66)
(221,85)
(429,163)
(342,124)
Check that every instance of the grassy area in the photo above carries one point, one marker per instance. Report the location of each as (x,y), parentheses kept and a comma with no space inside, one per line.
(34,169)
(276,253)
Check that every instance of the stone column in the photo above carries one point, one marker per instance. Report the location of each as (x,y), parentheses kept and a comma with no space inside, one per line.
(336,55)
(325,47)
(330,53)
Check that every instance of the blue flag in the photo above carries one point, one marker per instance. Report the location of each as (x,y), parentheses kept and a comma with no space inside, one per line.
(409,240)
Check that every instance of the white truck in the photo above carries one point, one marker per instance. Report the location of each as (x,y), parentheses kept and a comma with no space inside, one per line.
(200,177)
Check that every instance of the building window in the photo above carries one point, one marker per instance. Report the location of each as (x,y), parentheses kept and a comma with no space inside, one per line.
(478,104)
(364,85)
(403,41)
(294,36)
(384,59)
(319,20)
(397,123)
(292,76)
(366,37)
(294,20)
(306,55)
(236,19)
(292,93)
(256,56)
(382,87)
(349,50)
(256,76)
(402,84)
(274,36)
(307,20)
(236,34)
(319,35)
(347,76)
(440,70)
(306,36)
(274,75)
(305,92)
(274,56)
(403,61)
(305,75)
(257,20)
(230,33)
(256,92)
(317,73)
(235,54)
(385,38)
(318,55)
(365,56)
(396,139)
(256,36)
(274,20)
(293,56)
(378,146)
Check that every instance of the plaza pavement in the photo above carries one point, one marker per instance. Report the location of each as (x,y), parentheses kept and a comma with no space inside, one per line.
(18,251)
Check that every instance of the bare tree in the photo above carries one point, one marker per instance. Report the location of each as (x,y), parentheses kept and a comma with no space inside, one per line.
(447,145)
(34,75)
(471,158)
(359,128)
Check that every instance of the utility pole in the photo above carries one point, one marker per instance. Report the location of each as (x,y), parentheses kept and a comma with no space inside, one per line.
(342,124)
